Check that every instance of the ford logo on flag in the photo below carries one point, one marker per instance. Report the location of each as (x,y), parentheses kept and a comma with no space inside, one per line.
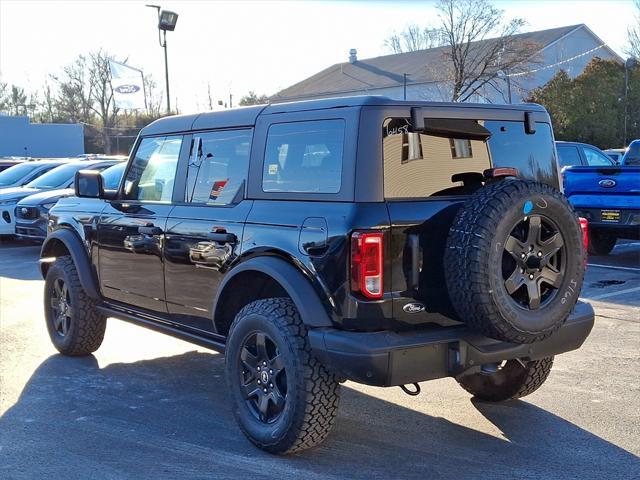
(607,183)
(127,88)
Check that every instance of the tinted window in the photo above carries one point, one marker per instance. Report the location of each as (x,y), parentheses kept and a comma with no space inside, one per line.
(60,176)
(304,157)
(425,164)
(632,157)
(112,176)
(569,156)
(218,166)
(450,157)
(13,174)
(595,158)
(152,173)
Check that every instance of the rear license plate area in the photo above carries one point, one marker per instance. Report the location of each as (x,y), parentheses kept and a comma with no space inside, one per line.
(612,216)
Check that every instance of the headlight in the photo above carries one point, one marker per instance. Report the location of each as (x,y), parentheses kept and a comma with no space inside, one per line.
(47,206)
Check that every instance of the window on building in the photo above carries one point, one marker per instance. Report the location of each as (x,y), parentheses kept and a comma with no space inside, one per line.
(460,148)
(304,157)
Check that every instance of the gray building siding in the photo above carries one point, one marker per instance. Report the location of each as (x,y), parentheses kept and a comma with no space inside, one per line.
(19,137)
(556,55)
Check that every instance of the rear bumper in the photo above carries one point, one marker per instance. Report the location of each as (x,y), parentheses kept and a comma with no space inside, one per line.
(388,358)
(628,224)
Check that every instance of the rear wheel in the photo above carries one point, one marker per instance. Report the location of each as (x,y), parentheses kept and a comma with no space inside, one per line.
(601,243)
(284,399)
(509,380)
(75,326)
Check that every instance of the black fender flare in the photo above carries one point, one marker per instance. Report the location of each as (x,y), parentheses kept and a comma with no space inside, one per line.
(293,281)
(80,258)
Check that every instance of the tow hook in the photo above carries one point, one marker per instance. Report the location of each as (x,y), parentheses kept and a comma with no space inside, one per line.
(413,393)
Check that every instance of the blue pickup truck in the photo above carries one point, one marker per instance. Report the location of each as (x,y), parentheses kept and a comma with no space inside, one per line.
(609,198)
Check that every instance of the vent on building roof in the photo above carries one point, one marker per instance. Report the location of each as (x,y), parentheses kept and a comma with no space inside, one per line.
(353,55)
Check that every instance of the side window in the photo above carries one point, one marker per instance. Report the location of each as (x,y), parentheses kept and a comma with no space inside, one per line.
(152,173)
(304,157)
(595,158)
(218,166)
(569,156)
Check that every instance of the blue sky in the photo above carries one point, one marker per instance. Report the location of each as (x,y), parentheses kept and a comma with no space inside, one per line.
(240,46)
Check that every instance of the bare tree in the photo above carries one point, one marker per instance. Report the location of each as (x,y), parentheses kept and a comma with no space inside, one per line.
(103,103)
(75,92)
(633,34)
(153,97)
(414,38)
(482,44)
(252,99)
(209,96)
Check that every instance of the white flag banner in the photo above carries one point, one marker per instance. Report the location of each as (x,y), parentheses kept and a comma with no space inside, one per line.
(128,86)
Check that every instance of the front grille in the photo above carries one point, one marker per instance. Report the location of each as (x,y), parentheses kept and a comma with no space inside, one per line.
(28,213)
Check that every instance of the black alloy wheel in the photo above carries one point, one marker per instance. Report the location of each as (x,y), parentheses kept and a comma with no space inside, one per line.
(263,377)
(533,264)
(61,307)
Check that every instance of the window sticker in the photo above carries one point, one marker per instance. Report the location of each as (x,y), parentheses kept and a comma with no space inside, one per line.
(273,169)
(217,188)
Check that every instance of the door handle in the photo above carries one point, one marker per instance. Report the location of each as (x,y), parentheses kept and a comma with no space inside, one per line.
(222,237)
(150,230)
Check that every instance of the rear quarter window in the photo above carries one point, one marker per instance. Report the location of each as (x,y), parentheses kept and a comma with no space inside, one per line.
(304,157)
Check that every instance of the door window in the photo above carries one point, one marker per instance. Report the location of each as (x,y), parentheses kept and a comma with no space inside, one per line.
(569,156)
(595,158)
(152,173)
(304,157)
(218,166)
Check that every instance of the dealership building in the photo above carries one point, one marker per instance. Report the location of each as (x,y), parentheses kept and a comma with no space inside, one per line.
(19,137)
(418,75)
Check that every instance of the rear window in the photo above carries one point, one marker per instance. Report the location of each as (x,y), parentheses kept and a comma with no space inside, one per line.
(569,156)
(304,157)
(449,158)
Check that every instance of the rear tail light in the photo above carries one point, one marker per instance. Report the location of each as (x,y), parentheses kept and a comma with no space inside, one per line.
(366,263)
(584,227)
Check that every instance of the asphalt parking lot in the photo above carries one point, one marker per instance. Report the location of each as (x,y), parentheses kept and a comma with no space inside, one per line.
(146,406)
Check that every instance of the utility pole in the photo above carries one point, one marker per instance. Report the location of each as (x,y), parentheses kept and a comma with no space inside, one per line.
(404,86)
(628,65)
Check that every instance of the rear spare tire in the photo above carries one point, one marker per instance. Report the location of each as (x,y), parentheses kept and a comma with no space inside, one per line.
(514,262)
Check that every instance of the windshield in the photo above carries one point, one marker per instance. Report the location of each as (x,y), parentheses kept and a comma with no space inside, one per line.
(58,177)
(112,176)
(13,174)
(632,157)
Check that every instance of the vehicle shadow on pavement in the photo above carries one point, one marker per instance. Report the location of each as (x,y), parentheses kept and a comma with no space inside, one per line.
(171,418)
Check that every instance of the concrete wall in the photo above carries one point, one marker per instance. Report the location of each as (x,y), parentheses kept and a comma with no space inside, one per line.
(18,137)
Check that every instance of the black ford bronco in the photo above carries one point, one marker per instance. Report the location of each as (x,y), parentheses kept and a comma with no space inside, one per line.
(364,239)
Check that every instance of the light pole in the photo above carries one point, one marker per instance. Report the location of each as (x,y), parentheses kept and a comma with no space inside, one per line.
(628,65)
(166,22)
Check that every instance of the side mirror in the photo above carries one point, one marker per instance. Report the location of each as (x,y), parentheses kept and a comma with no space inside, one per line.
(88,184)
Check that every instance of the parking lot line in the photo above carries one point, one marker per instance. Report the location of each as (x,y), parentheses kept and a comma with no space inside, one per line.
(613,267)
(613,294)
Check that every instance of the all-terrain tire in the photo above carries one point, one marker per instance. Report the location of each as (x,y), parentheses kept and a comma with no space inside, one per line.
(601,243)
(85,326)
(513,380)
(475,259)
(312,392)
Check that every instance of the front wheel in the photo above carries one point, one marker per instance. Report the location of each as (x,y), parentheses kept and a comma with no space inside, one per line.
(75,326)
(510,380)
(284,399)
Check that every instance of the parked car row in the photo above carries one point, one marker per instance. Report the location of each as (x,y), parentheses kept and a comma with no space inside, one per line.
(29,189)
(604,190)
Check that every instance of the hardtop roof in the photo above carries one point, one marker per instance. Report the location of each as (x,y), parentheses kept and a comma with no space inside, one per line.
(247,116)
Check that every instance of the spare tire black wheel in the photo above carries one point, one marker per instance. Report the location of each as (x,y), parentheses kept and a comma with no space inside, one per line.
(514,263)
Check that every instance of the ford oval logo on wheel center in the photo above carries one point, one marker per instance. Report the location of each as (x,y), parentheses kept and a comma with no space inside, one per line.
(607,183)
